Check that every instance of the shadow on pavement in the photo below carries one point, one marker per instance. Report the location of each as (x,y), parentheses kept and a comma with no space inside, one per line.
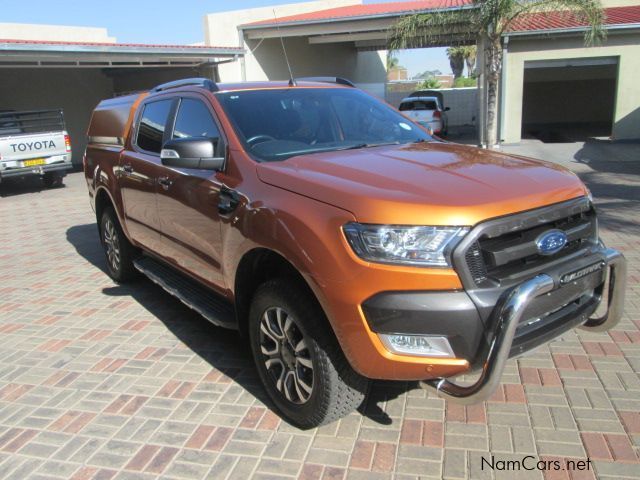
(221,348)
(614,178)
(19,186)
(611,157)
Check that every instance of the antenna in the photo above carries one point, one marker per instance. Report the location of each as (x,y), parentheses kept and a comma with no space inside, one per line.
(292,81)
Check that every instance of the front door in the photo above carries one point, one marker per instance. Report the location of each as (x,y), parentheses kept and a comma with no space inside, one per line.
(188,199)
(139,170)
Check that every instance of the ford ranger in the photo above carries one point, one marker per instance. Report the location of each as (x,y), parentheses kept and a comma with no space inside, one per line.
(34,142)
(342,240)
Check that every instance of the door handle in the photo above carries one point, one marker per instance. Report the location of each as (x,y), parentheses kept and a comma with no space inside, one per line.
(165,182)
(127,168)
(229,200)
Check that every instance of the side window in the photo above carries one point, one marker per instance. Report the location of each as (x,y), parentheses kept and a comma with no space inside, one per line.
(194,120)
(152,125)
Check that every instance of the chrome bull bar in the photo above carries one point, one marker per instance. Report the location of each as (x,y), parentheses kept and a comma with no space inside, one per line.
(507,316)
(617,287)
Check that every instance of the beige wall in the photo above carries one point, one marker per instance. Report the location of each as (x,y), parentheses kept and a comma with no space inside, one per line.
(221,29)
(626,47)
(367,69)
(618,3)
(26,31)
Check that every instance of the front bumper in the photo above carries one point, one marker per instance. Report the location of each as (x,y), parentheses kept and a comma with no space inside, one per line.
(507,315)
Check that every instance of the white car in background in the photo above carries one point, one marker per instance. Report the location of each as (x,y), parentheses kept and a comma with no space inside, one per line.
(428,112)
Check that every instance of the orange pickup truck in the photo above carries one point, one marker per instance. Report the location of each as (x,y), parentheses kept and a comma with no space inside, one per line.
(342,240)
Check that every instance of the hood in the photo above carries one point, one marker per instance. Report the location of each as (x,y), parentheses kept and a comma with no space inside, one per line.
(425,183)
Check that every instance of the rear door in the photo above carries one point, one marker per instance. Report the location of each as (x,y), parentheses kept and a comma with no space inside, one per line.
(140,168)
(188,198)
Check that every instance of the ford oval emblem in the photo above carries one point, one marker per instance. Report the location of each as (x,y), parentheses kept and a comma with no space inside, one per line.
(551,242)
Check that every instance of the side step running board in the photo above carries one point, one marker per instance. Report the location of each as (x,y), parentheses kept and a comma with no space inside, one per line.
(207,303)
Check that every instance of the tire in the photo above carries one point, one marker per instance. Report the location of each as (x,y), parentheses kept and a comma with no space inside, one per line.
(308,378)
(52,180)
(118,251)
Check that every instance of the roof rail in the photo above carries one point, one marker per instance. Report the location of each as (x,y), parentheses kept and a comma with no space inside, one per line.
(338,80)
(186,82)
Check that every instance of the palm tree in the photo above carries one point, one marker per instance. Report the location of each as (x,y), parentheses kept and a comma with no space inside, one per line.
(456,60)
(392,62)
(470,52)
(485,22)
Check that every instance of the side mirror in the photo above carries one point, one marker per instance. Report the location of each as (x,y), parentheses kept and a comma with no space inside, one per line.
(446,109)
(192,153)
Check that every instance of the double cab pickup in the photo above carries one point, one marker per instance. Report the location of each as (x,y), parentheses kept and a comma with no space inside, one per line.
(341,239)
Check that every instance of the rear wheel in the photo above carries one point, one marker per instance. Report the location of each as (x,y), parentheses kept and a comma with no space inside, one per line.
(298,359)
(52,180)
(118,250)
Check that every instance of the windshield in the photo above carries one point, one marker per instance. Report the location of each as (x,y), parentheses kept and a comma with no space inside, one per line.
(276,124)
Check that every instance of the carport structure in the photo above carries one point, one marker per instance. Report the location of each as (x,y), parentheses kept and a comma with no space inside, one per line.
(75,76)
(599,83)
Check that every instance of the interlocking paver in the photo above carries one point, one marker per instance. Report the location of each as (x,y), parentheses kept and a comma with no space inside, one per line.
(120,382)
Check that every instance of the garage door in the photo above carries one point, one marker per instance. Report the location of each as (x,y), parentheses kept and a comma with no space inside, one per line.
(569,100)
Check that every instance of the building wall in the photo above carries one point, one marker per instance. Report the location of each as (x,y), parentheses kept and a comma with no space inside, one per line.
(133,80)
(77,92)
(221,29)
(463,103)
(618,3)
(331,59)
(27,31)
(626,47)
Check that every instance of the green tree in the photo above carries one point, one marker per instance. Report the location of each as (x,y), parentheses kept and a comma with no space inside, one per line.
(429,84)
(485,22)
(427,74)
(392,62)
(465,82)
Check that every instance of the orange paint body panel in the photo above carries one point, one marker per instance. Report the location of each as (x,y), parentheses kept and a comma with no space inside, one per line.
(297,208)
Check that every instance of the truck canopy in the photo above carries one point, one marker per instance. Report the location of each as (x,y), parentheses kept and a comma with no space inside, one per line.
(30,121)
(112,118)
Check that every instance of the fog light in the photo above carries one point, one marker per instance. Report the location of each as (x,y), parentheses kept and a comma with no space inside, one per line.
(420,345)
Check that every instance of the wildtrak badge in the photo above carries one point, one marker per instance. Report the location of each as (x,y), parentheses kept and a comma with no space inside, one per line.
(583,272)
(29,146)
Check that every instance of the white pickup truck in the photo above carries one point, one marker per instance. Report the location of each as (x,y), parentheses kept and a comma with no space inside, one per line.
(34,142)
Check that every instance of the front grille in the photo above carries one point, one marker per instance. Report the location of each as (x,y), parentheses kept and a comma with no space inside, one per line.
(504,254)
(475,262)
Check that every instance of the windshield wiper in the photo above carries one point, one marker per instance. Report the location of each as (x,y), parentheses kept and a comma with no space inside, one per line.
(367,145)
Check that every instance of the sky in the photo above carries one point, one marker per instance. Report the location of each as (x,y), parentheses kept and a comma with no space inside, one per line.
(163,21)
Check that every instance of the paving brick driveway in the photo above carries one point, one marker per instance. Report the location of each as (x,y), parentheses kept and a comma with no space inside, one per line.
(105,381)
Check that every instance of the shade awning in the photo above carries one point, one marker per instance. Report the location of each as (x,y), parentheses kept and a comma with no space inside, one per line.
(33,53)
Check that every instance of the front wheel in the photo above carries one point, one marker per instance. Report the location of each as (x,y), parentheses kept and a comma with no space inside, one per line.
(298,359)
(117,248)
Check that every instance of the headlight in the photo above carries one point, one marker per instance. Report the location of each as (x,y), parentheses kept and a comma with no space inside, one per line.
(407,245)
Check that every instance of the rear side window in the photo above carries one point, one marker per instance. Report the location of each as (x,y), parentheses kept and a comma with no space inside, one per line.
(194,120)
(153,124)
